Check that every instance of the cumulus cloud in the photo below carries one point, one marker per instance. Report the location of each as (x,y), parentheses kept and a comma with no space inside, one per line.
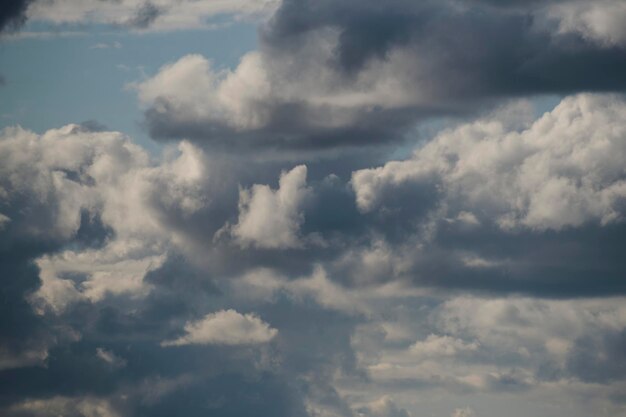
(110,358)
(600,21)
(272,218)
(323,78)
(13,13)
(562,171)
(435,345)
(226,327)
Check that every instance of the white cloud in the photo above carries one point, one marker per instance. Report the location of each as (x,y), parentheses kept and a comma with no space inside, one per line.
(272,218)
(435,345)
(113,270)
(62,406)
(25,357)
(562,171)
(104,45)
(601,20)
(536,329)
(263,284)
(226,327)
(190,92)
(168,14)
(51,183)
(3,220)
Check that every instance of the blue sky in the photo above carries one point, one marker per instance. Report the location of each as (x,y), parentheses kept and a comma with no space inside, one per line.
(69,77)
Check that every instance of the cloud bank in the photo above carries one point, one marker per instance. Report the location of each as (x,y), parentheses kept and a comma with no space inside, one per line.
(309,249)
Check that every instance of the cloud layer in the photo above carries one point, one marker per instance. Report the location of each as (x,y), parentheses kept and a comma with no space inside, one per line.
(323,77)
(367,218)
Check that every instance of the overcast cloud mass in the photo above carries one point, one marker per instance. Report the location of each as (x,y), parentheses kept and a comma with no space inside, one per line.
(408,208)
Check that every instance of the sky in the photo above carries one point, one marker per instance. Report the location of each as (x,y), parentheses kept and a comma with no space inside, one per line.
(312,208)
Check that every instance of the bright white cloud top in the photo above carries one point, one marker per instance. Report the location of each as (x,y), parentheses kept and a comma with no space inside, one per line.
(226,327)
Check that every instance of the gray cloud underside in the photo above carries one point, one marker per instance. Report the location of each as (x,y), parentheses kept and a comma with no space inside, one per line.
(120,270)
(331,74)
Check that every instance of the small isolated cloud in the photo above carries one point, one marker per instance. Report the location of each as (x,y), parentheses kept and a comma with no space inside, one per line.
(226,327)
(145,16)
(464,412)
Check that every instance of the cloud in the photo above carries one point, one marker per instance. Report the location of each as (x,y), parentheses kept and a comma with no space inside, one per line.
(384,407)
(110,357)
(463,412)
(435,345)
(103,45)
(561,333)
(13,13)
(561,171)
(226,327)
(83,407)
(70,184)
(488,262)
(323,78)
(601,21)
(155,15)
(271,219)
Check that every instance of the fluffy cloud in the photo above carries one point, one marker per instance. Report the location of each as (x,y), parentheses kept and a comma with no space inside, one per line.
(272,218)
(226,327)
(69,183)
(463,412)
(83,407)
(562,171)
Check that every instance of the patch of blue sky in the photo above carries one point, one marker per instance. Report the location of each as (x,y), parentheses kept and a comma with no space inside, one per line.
(55,75)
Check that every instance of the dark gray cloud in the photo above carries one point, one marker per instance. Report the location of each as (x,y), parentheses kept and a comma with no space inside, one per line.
(13,14)
(321,66)
(488,262)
